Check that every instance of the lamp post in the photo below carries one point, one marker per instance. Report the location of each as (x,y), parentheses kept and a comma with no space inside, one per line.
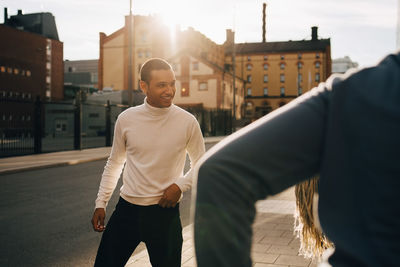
(234,83)
(130,36)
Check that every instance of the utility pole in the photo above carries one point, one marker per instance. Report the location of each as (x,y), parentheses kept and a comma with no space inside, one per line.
(234,83)
(398,24)
(130,36)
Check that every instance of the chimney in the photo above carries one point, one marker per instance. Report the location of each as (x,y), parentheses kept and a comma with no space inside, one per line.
(229,37)
(263,26)
(19,12)
(5,15)
(314,33)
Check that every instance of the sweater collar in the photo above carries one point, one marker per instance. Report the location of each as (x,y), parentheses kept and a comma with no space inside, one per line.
(154,110)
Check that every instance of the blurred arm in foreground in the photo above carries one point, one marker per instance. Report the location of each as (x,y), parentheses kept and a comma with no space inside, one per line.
(347,130)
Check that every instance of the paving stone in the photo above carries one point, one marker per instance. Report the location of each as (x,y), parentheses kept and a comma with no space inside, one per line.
(268,265)
(295,243)
(288,234)
(260,248)
(292,260)
(263,257)
(276,240)
(285,250)
(190,263)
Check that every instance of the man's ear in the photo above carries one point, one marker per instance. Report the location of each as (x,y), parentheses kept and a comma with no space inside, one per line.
(143,87)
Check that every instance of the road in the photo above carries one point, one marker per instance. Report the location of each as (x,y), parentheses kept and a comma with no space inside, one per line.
(45,216)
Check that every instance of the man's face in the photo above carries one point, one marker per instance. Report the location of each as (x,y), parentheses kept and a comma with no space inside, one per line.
(161,89)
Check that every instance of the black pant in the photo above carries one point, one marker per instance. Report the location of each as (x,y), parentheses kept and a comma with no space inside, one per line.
(159,228)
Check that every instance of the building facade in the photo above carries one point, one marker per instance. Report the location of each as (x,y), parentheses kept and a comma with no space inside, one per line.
(150,39)
(199,63)
(277,72)
(341,65)
(31,62)
(81,73)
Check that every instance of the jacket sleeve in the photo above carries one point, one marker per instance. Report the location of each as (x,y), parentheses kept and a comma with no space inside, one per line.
(113,168)
(195,148)
(264,158)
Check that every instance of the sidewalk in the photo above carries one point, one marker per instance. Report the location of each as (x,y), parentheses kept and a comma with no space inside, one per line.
(62,158)
(273,242)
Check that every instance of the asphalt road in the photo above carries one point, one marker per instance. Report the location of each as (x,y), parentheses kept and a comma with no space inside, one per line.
(45,216)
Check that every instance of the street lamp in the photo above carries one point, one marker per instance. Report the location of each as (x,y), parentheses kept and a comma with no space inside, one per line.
(234,82)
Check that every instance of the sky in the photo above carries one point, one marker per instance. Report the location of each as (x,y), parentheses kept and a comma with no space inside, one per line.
(364,30)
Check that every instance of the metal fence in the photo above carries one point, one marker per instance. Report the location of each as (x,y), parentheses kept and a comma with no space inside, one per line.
(28,127)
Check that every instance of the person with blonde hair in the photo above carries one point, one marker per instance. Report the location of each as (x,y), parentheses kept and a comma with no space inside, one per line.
(347,131)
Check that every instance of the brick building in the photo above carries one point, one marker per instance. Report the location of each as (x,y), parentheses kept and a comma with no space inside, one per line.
(31,57)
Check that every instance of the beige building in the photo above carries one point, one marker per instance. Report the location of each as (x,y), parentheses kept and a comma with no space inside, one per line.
(278,72)
(202,80)
(151,38)
(200,83)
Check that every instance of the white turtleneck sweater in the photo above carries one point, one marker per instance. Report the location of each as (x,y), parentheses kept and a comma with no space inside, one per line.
(152,143)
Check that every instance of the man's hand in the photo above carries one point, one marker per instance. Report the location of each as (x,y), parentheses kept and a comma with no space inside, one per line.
(170,197)
(98,220)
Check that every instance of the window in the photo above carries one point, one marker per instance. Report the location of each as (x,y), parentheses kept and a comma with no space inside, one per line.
(140,54)
(282,78)
(9,70)
(249,78)
(299,65)
(248,91)
(265,66)
(195,65)
(249,67)
(48,65)
(282,66)
(16,71)
(148,54)
(299,91)
(203,86)
(61,125)
(249,108)
(317,77)
(282,91)
(3,69)
(28,73)
(299,78)
(317,65)
(144,37)
(266,78)
(265,91)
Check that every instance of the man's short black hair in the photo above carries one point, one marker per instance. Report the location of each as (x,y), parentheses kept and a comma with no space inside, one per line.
(153,64)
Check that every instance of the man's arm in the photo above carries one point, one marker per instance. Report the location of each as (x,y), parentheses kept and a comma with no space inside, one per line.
(264,158)
(109,180)
(195,148)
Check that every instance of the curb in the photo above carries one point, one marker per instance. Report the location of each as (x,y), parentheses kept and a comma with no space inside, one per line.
(67,160)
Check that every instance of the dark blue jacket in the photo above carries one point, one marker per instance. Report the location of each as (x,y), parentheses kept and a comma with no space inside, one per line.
(348,131)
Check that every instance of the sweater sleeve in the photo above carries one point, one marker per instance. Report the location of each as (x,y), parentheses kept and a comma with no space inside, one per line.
(113,168)
(195,148)
(264,158)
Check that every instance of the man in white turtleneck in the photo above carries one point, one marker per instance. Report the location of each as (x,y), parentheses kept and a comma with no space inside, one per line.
(151,140)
